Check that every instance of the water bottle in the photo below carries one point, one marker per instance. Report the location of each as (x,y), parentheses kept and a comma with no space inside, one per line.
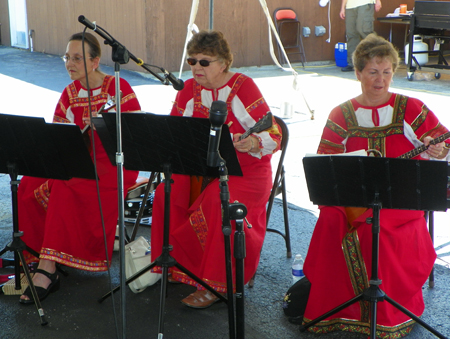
(297,268)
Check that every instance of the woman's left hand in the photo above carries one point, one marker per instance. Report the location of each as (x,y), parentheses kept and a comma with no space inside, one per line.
(435,151)
(245,145)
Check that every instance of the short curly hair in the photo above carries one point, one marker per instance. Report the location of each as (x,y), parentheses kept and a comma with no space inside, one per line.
(211,43)
(374,46)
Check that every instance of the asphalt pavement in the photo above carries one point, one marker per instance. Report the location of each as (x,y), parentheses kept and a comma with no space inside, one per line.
(30,84)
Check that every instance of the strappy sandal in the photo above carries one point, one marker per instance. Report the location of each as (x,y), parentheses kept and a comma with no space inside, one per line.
(200,299)
(42,292)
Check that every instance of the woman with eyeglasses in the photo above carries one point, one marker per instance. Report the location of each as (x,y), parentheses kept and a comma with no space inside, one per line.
(195,219)
(339,259)
(61,220)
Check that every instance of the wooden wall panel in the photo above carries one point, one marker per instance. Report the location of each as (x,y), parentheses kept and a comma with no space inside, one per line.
(5,36)
(176,19)
(55,20)
(155,30)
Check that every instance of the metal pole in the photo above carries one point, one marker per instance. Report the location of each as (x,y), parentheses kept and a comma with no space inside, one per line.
(211,14)
(121,203)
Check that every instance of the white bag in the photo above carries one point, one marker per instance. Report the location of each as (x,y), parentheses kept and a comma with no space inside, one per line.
(137,257)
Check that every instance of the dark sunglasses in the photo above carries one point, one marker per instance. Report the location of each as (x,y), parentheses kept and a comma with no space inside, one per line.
(203,63)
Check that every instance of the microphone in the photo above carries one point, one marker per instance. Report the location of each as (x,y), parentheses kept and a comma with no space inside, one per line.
(177,84)
(87,23)
(217,116)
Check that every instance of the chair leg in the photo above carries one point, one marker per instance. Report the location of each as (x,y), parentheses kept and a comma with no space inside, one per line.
(287,234)
(431,230)
(141,209)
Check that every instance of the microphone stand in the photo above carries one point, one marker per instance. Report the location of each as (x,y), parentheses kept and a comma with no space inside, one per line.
(235,211)
(120,55)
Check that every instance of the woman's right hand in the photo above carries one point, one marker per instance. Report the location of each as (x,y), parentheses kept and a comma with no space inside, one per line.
(245,145)
(436,151)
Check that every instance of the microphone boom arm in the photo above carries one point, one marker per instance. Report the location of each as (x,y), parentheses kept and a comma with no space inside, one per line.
(121,53)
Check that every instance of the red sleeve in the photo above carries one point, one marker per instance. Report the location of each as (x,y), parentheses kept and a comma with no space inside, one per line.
(182,98)
(61,107)
(422,120)
(129,102)
(334,133)
(257,107)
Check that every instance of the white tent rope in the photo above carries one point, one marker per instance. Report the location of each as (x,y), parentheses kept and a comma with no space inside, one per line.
(295,83)
(329,22)
(274,30)
(192,26)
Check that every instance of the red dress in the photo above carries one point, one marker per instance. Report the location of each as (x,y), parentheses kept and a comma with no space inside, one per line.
(196,228)
(339,259)
(61,219)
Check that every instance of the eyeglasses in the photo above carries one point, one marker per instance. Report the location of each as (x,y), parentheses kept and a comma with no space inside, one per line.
(76,59)
(203,63)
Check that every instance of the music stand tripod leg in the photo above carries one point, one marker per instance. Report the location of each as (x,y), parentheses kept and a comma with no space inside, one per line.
(17,245)
(165,260)
(415,318)
(373,293)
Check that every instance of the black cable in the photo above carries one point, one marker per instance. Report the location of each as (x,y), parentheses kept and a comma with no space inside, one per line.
(91,125)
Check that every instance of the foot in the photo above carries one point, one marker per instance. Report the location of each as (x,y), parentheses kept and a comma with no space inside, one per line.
(44,282)
(172,280)
(200,299)
(347,69)
(296,320)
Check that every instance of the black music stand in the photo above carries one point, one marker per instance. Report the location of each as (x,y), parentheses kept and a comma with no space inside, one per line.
(375,183)
(170,144)
(29,146)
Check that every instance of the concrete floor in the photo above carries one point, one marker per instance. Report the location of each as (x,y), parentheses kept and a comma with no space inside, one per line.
(73,312)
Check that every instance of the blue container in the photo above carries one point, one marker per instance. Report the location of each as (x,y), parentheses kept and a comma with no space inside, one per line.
(340,54)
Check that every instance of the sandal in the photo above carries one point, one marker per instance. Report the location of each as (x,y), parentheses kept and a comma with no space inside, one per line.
(172,280)
(42,292)
(200,299)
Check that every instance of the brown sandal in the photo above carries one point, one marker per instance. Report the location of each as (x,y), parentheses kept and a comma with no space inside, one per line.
(200,299)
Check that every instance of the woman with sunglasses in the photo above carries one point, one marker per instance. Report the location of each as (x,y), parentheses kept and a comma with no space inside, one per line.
(61,220)
(196,220)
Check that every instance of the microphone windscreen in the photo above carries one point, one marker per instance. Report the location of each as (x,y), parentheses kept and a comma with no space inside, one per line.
(218,113)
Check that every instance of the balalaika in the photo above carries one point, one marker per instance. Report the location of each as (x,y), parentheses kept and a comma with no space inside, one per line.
(423,148)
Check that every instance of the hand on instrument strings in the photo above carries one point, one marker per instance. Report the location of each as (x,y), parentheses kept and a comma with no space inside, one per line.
(435,151)
(246,145)
(87,120)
